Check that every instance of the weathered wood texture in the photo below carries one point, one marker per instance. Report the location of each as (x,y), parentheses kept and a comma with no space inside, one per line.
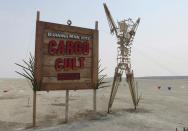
(49,71)
(45,63)
(37,65)
(95,68)
(95,56)
(50,60)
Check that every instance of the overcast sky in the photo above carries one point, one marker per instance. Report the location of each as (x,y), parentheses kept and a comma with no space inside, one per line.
(160,46)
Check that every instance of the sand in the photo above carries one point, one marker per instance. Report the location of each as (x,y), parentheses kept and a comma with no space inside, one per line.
(162,109)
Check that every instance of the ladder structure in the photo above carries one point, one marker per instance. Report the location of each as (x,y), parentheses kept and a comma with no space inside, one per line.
(125,32)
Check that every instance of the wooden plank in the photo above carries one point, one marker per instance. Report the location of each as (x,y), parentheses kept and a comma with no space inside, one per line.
(54,80)
(63,34)
(50,71)
(46,42)
(47,39)
(66,86)
(45,52)
(95,56)
(50,60)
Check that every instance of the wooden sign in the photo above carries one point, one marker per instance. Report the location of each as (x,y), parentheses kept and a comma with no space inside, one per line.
(66,57)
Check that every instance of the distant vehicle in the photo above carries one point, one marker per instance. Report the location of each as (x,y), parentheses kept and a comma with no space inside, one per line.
(159,87)
(169,88)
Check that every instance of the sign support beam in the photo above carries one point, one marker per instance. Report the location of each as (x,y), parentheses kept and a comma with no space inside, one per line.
(95,90)
(35,91)
(67,106)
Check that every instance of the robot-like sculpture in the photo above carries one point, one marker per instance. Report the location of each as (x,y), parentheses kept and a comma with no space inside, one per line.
(125,33)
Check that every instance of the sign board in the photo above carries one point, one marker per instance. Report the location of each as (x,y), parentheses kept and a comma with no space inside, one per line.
(66,57)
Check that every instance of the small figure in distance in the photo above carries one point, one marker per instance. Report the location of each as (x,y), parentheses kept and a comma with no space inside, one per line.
(159,87)
(169,88)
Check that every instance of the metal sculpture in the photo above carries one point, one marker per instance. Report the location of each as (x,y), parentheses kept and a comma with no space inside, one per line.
(125,33)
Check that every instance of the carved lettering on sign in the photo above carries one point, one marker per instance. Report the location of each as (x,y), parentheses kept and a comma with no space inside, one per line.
(69,63)
(68,47)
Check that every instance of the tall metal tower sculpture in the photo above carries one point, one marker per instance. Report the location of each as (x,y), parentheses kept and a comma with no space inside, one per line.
(125,33)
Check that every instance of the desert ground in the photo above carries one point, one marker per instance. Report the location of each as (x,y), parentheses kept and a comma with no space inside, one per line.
(158,110)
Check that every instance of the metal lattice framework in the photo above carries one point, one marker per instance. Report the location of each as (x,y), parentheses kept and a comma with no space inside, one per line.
(125,33)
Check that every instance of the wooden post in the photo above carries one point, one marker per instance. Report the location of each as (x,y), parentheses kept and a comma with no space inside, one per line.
(137,97)
(38,15)
(95,90)
(94,100)
(67,106)
(34,108)
(96,25)
(34,91)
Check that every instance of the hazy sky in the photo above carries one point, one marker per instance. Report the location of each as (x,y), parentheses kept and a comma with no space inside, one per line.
(160,46)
